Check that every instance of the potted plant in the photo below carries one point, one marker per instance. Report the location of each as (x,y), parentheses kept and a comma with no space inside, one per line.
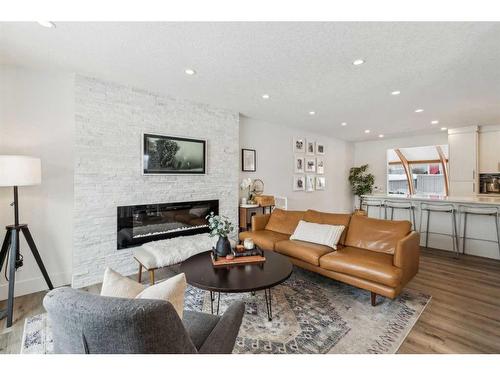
(220,226)
(361,182)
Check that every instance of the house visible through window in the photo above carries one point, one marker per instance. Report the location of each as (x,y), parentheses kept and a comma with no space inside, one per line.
(418,170)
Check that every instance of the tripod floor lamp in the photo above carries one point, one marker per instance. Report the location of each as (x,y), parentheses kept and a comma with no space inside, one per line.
(18,171)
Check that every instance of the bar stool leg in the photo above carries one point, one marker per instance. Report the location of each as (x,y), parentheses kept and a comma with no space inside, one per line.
(392,213)
(367,211)
(455,237)
(427,228)
(497,222)
(465,233)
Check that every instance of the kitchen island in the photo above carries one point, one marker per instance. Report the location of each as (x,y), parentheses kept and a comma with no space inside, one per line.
(481,231)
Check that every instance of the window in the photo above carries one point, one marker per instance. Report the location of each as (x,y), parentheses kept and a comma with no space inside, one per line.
(418,170)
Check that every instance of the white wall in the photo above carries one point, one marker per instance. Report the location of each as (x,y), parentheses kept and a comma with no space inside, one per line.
(110,120)
(275,157)
(37,119)
(374,153)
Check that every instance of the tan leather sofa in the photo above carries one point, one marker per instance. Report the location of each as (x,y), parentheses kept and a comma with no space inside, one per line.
(381,256)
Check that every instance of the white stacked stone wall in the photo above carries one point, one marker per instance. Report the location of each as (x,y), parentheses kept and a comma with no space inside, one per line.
(110,120)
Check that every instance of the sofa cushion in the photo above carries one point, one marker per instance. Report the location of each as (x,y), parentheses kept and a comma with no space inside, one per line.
(365,264)
(307,251)
(265,239)
(283,221)
(375,234)
(319,217)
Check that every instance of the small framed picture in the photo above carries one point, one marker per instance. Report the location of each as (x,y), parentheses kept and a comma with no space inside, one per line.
(310,165)
(299,145)
(310,147)
(309,183)
(320,148)
(320,166)
(320,183)
(248,160)
(299,183)
(298,164)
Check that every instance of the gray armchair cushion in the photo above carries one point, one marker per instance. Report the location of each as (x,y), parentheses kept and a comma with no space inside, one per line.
(82,320)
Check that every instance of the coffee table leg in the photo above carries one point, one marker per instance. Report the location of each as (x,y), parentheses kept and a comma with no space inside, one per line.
(269,304)
(218,303)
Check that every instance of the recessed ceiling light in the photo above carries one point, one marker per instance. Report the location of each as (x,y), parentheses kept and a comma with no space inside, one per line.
(396,92)
(419,110)
(358,62)
(444,128)
(344,124)
(381,136)
(367,131)
(49,24)
(434,122)
(265,96)
(190,72)
(312,113)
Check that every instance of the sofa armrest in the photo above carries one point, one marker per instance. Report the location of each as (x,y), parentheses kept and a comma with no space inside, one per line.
(223,337)
(259,222)
(407,255)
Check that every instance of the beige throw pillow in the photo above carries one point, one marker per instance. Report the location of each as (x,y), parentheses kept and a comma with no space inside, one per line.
(171,290)
(322,234)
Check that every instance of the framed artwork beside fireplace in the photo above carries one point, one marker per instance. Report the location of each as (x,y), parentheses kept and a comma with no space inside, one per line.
(165,154)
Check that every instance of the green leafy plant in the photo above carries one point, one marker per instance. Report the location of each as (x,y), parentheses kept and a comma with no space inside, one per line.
(361,181)
(219,225)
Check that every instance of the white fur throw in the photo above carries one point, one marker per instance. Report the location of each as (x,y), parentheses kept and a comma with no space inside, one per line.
(175,250)
(322,234)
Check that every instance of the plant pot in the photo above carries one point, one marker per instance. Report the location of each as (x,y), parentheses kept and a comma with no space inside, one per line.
(223,247)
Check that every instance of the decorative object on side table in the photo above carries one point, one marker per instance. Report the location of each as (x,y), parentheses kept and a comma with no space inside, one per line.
(220,225)
(245,186)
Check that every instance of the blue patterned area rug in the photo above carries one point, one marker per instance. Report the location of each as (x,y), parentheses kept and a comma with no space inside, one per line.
(311,314)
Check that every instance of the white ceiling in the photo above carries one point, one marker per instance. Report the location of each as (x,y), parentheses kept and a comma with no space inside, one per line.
(451,70)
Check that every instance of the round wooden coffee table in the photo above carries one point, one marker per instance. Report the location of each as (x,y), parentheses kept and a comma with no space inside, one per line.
(200,273)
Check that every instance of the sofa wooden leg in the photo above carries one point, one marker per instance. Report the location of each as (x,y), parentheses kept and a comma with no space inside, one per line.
(152,277)
(374,298)
(139,274)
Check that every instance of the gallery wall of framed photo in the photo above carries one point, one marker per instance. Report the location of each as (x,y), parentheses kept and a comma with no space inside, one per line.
(309,165)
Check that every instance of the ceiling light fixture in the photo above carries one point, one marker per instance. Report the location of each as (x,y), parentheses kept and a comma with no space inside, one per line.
(396,92)
(265,96)
(190,72)
(358,62)
(434,122)
(344,124)
(49,24)
(419,110)
(312,113)
(367,131)
(444,129)
(381,136)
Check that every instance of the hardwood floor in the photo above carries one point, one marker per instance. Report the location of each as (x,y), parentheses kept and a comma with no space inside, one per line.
(462,317)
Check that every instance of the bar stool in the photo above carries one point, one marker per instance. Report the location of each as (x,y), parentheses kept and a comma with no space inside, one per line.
(401,205)
(372,202)
(492,211)
(444,208)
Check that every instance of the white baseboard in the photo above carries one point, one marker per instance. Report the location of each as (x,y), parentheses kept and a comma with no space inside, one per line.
(33,285)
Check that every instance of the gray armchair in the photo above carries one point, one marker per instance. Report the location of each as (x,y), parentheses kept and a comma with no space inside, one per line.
(88,323)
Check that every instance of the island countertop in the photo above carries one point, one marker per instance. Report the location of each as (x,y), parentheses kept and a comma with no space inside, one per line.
(473,199)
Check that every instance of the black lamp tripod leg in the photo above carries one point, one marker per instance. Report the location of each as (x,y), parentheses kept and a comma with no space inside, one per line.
(37,256)
(12,275)
(5,248)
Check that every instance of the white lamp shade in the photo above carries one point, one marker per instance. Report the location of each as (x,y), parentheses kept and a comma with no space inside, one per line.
(20,170)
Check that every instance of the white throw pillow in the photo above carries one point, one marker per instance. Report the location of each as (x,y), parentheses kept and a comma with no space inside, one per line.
(171,290)
(323,234)
(116,285)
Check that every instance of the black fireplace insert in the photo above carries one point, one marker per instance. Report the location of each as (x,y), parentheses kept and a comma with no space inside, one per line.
(151,222)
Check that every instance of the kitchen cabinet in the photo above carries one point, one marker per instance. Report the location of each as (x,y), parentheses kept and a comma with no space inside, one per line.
(489,149)
(463,160)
